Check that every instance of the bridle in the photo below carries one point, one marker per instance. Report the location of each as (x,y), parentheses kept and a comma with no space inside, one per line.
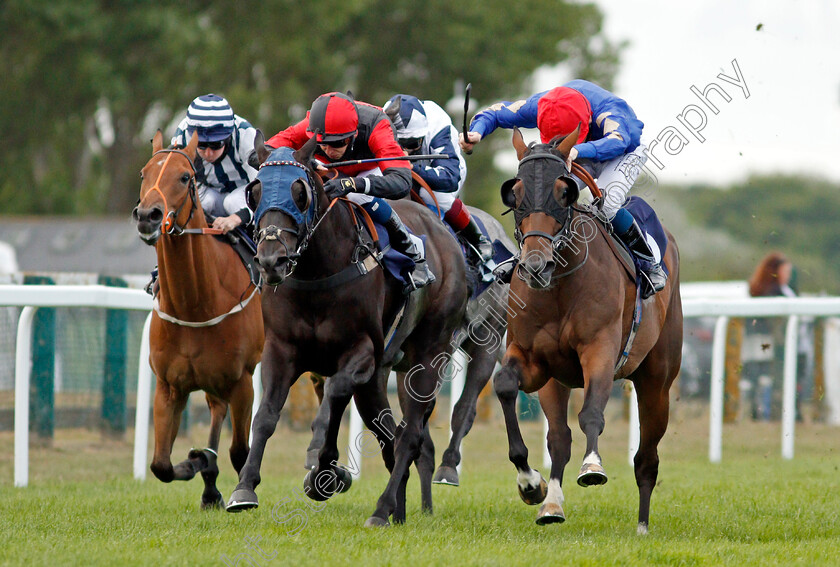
(169,225)
(302,232)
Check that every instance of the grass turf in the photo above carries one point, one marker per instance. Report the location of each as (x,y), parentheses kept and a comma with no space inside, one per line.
(83,508)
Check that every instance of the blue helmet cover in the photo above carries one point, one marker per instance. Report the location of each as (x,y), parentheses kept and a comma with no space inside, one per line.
(277,175)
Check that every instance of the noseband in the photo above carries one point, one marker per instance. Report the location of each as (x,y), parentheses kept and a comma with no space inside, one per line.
(170,226)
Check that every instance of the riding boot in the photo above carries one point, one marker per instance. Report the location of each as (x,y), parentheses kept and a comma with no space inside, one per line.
(480,244)
(401,241)
(638,245)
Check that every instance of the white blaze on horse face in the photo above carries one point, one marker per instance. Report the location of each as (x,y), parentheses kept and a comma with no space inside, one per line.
(592,459)
(555,492)
(528,479)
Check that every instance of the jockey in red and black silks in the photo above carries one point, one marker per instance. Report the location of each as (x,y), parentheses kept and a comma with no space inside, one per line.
(346,130)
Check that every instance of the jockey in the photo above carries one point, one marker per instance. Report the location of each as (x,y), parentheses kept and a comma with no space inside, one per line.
(225,141)
(608,146)
(423,127)
(347,129)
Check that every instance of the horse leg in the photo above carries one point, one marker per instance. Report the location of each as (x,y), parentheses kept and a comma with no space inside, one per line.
(425,464)
(531,484)
(241,404)
(463,415)
(554,399)
(357,367)
(319,432)
(652,381)
(278,375)
(205,460)
(168,406)
(407,448)
(598,381)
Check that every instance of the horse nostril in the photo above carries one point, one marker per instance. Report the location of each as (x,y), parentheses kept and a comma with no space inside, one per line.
(156,215)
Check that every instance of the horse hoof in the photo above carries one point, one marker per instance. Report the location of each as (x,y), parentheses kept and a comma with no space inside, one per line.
(376,522)
(446,475)
(242,499)
(320,488)
(550,513)
(591,474)
(642,529)
(534,496)
(217,504)
(345,479)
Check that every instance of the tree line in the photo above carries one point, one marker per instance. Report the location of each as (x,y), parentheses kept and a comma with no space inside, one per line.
(87,82)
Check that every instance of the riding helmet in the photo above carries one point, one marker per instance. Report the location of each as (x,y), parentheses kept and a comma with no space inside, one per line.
(334,117)
(211,116)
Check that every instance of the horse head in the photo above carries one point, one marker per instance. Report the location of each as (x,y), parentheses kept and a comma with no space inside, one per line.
(167,185)
(287,197)
(541,196)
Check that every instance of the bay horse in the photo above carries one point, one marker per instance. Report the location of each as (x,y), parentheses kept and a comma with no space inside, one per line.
(206,331)
(330,312)
(572,328)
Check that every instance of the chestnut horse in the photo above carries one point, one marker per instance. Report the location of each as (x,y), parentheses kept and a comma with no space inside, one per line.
(572,328)
(207,331)
(330,313)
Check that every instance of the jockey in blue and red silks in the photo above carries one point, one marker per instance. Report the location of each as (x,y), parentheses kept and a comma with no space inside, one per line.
(608,146)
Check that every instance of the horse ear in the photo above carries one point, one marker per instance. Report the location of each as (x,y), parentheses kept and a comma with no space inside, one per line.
(262,151)
(304,154)
(157,142)
(569,142)
(253,194)
(393,109)
(192,145)
(508,197)
(519,144)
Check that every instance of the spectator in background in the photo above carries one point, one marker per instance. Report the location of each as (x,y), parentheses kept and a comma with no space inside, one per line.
(771,278)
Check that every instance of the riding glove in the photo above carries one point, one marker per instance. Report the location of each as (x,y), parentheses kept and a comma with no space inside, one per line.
(340,187)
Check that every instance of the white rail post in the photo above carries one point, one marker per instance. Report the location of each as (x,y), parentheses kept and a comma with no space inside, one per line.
(635,431)
(716,394)
(23,364)
(789,401)
(456,388)
(255,405)
(144,394)
(354,455)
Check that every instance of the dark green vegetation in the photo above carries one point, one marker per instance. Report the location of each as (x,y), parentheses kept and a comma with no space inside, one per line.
(83,508)
(87,82)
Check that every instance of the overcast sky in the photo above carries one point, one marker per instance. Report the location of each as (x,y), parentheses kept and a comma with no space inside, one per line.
(791,67)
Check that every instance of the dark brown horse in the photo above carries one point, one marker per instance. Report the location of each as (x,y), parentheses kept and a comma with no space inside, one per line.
(572,326)
(481,337)
(207,330)
(330,312)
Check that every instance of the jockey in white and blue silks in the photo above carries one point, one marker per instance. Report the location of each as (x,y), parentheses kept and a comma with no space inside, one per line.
(608,146)
(423,127)
(225,142)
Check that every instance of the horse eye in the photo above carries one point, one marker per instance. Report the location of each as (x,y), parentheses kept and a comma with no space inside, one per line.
(185,178)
